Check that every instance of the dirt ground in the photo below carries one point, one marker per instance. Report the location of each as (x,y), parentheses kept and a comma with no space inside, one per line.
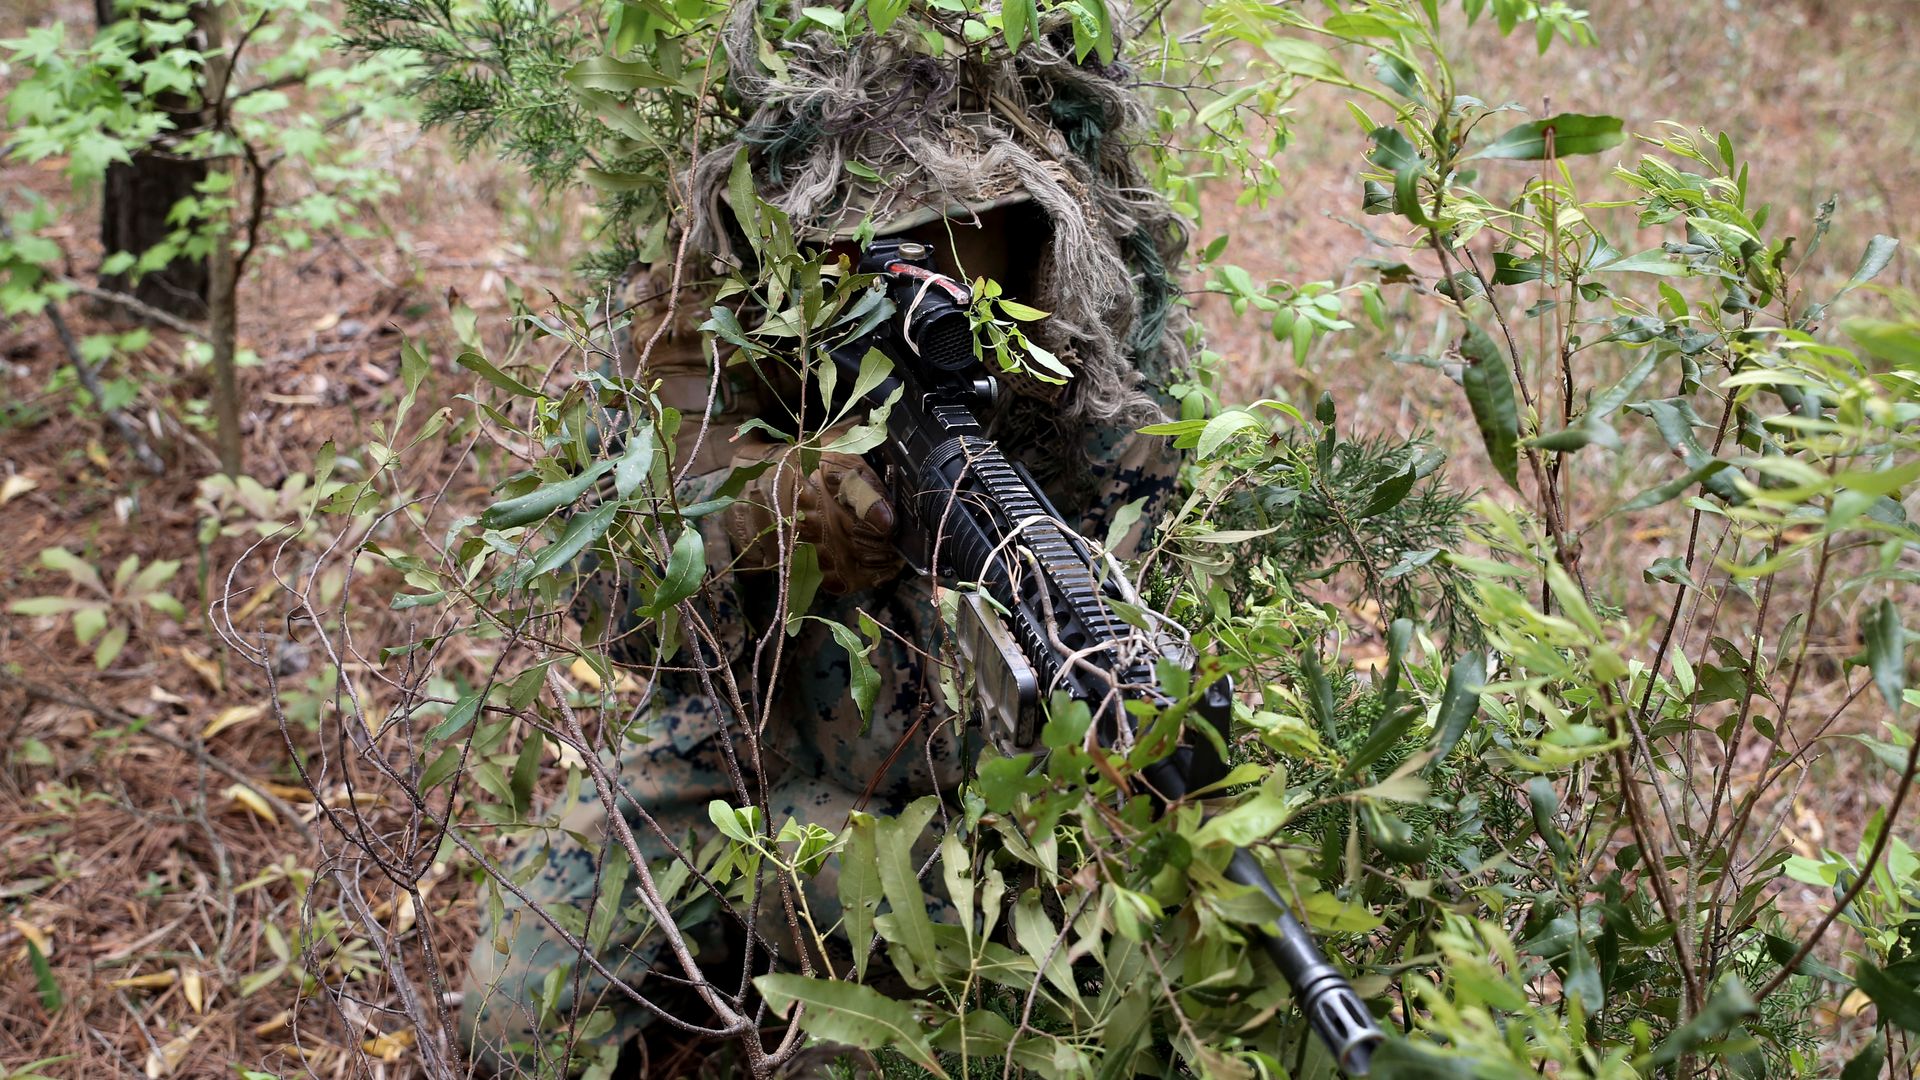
(171,911)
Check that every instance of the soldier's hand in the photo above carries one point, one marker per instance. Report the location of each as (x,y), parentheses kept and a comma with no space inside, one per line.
(840,508)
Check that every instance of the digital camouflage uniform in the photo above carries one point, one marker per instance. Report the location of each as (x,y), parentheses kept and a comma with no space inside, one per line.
(818,761)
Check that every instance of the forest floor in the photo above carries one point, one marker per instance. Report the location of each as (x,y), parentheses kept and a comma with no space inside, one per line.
(154,841)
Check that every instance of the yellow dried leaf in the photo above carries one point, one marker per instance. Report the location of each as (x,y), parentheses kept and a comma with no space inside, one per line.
(290,792)
(1853,1003)
(238,714)
(193,989)
(165,696)
(250,800)
(166,1058)
(15,486)
(208,671)
(153,980)
(389,1047)
(273,1023)
(584,674)
(40,938)
(260,598)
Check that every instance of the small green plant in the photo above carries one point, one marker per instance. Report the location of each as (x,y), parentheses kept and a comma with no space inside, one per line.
(110,610)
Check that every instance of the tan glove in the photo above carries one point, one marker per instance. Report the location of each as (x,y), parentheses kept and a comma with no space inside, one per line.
(840,508)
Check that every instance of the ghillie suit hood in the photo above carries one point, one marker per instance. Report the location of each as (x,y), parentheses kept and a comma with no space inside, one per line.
(949,136)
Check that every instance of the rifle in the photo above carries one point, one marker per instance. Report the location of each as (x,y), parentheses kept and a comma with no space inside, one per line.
(967,513)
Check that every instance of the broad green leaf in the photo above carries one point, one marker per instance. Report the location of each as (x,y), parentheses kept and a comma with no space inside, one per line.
(1459,703)
(848,1013)
(541,501)
(863,680)
(581,530)
(686,568)
(50,605)
(484,368)
(1564,135)
(635,461)
(1879,253)
(1222,428)
(1897,1002)
(1660,493)
(458,717)
(1729,1005)
(859,888)
(1489,387)
(1887,652)
(526,770)
(81,571)
(1396,154)
(899,878)
(803,582)
(618,76)
(110,645)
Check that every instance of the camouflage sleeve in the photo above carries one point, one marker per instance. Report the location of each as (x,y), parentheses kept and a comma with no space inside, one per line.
(1125,467)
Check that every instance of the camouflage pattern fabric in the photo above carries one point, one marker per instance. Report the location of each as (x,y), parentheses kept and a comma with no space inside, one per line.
(817,761)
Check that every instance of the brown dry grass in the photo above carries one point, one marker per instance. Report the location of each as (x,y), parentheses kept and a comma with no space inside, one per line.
(126,852)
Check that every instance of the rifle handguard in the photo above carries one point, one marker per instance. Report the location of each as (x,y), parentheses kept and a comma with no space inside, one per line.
(969,514)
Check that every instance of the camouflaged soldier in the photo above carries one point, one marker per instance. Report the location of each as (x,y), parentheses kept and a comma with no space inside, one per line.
(1016,171)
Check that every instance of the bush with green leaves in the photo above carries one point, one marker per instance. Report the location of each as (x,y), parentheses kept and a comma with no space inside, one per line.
(1529,792)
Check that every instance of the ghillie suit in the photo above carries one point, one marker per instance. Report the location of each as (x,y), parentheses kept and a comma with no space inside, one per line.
(949,139)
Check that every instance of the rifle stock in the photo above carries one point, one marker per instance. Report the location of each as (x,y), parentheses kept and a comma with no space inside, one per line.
(967,513)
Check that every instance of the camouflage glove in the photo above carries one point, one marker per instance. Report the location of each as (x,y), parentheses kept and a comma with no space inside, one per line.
(840,508)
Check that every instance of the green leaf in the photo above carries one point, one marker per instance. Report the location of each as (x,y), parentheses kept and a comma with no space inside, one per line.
(848,1013)
(526,770)
(635,461)
(581,530)
(863,682)
(1389,494)
(882,13)
(1660,493)
(1897,1002)
(1729,1005)
(1489,389)
(1568,133)
(859,888)
(1221,428)
(81,571)
(1019,21)
(458,717)
(911,930)
(480,366)
(541,501)
(1887,652)
(686,568)
(1384,735)
(618,76)
(110,645)
(803,582)
(1459,703)
(1879,253)
(1396,154)
(50,997)
(51,605)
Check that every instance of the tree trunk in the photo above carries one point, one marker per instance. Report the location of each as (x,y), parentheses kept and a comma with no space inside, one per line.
(222,267)
(134,204)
